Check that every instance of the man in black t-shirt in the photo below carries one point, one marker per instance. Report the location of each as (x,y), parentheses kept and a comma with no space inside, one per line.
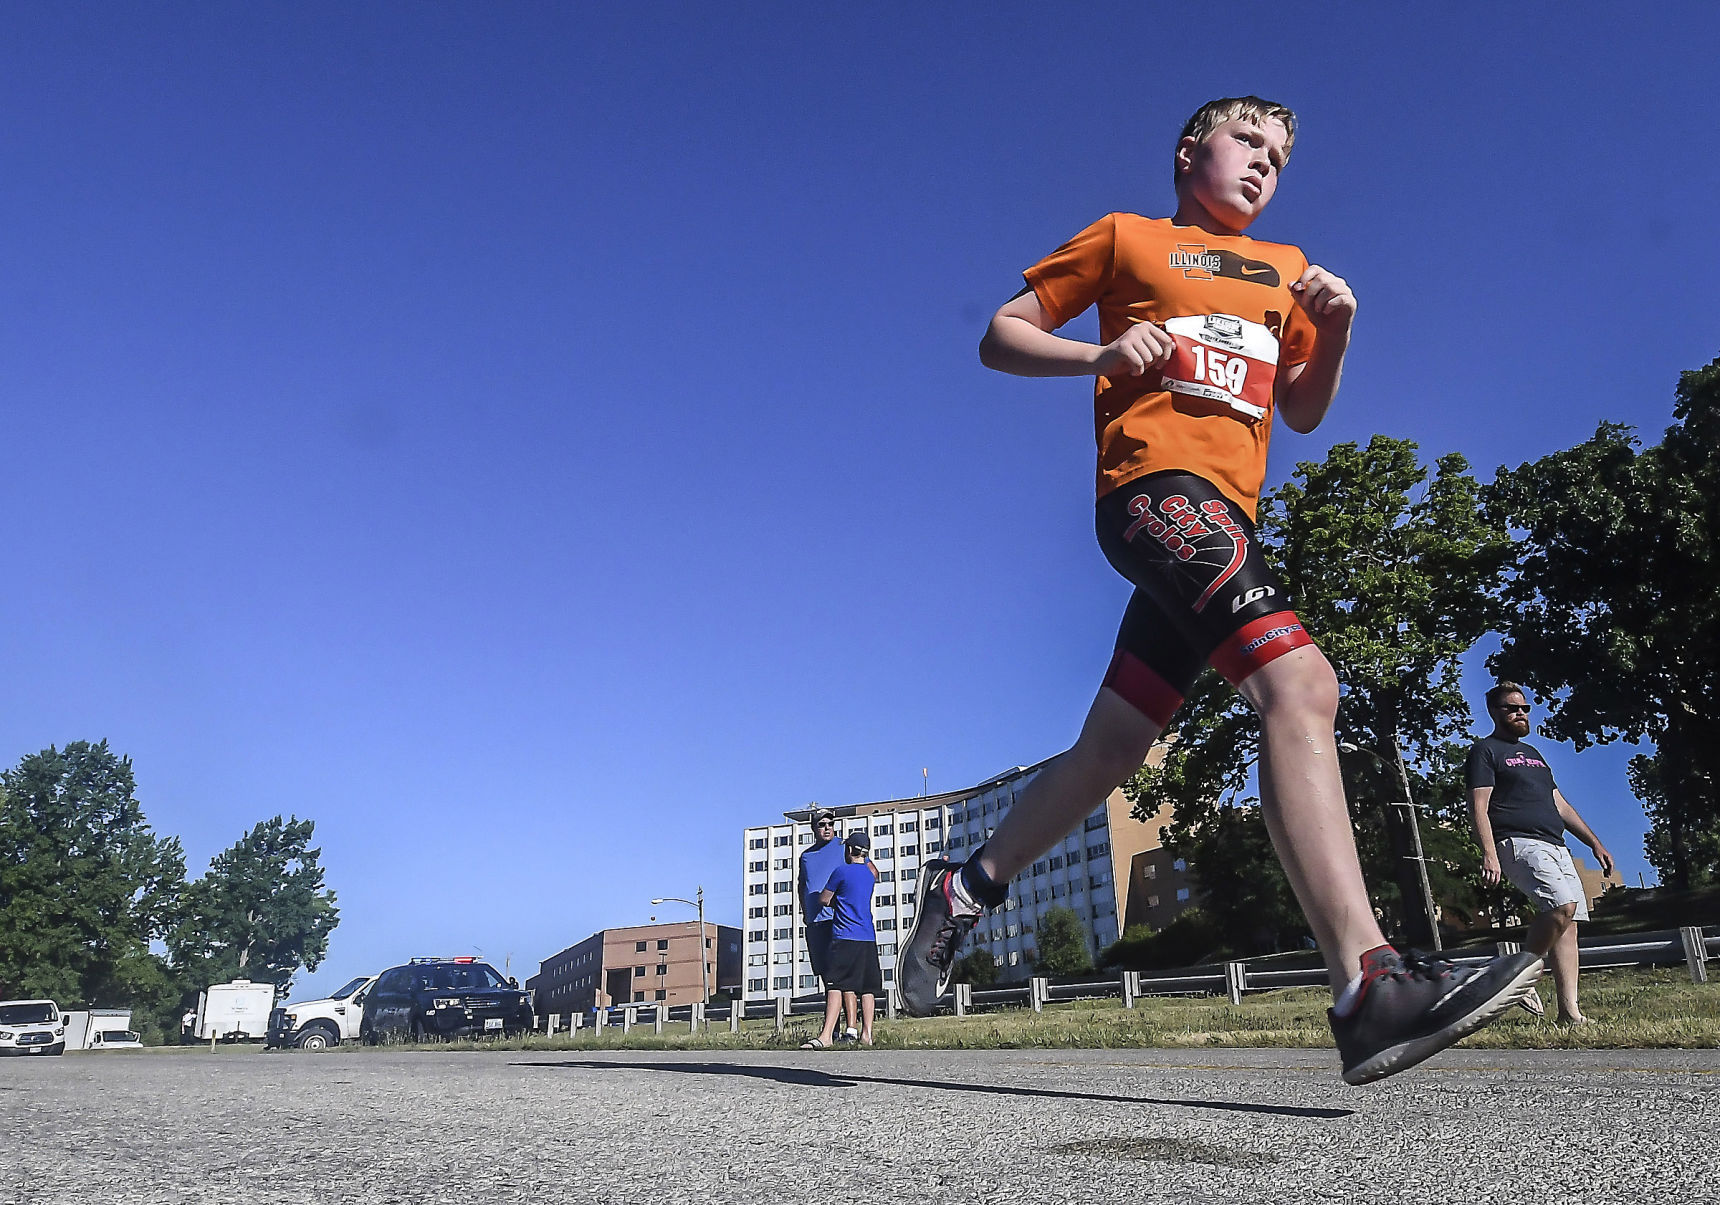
(1520,821)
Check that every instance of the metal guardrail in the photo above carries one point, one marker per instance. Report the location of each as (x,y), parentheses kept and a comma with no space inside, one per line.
(1691,945)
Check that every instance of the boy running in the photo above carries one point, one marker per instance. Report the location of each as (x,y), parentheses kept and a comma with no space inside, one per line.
(1205,333)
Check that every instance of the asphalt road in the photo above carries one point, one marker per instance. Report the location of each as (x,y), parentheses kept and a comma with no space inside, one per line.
(915,1126)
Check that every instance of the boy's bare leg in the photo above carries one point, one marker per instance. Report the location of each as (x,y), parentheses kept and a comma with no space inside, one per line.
(868,1007)
(851,1009)
(1302,796)
(1114,741)
(1296,697)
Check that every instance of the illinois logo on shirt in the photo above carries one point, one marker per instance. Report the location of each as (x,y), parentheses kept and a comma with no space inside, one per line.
(1225,359)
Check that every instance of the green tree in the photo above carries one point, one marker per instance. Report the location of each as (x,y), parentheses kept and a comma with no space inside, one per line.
(260,912)
(1394,571)
(1062,942)
(1614,614)
(977,968)
(85,884)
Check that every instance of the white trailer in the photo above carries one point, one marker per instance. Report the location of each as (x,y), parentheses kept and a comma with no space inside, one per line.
(85,1026)
(234,1011)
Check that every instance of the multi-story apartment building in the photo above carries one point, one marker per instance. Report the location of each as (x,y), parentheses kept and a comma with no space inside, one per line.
(1093,872)
(639,964)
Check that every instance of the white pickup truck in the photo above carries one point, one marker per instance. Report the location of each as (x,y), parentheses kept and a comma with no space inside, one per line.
(318,1024)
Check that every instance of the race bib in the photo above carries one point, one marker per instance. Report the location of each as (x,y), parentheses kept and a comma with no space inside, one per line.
(1223,359)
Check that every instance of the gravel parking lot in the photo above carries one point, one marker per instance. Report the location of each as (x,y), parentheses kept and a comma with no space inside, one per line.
(921,1126)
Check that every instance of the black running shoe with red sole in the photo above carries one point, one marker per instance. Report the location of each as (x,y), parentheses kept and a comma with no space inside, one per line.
(1414,1005)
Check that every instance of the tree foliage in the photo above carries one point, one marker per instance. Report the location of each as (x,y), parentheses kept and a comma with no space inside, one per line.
(1393,571)
(260,912)
(1062,943)
(977,968)
(85,884)
(1614,615)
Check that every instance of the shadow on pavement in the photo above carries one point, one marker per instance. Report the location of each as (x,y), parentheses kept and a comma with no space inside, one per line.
(806,1077)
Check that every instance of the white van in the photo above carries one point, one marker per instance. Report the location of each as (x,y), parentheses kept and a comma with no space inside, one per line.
(31,1027)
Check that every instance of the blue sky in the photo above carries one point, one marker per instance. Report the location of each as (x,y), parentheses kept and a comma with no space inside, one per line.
(536,441)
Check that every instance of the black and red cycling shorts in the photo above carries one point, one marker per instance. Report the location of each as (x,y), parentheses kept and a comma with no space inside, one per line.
(1203,591)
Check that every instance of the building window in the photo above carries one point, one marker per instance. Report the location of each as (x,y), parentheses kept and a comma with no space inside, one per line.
(883,853)
(782,888)
(1055,863)
(756,843)
(780,934)
(886,876)
(881,830)
(910,851)
(662,943)
(1074,857)
(638,997)
(910,826)
(809,981)
(782,956)
(755,913)
(886,924)
(1015,958)
(638,972)
(1179,864)
(806,838)
(934,821)
(785,863)
(785,839)
(933,847)
(782,910)
(755,867)
(783,983)
(752,889)
(889,974)
(1152,902)
(885,901)
(1039,868)
(955,842)
(910,874)
(660,994)
(639,947)
(886,949)
(1096,820)
(1182,893)
(755,985)
(1099,850)
(755,934)
(662,968)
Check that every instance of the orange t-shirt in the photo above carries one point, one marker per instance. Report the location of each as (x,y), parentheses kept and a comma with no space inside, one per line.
(1226,301)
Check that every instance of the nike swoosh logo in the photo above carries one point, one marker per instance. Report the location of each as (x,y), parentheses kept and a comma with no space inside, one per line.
(1247,270)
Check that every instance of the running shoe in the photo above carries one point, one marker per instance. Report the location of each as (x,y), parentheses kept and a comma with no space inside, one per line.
(942,922)
(1414,1005)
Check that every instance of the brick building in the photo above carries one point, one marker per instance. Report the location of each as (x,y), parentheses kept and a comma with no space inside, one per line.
(638,964)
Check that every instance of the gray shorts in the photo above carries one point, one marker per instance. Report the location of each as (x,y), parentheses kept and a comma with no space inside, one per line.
(1544,872)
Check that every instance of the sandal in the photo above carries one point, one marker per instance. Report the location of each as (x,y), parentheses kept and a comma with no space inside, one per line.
(814,1044)
(1532,1005)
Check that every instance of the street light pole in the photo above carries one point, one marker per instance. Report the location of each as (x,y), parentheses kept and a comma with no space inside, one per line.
(1412,808)
(699,903)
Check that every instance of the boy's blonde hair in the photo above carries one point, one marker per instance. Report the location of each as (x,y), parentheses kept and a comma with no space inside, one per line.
(1215,113)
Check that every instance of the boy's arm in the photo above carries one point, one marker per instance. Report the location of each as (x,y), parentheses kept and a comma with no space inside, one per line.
(1309,387)
(1585,834)
(1019,341)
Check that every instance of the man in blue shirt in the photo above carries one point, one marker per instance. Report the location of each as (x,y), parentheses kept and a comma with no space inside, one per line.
(853,960)
(817,862)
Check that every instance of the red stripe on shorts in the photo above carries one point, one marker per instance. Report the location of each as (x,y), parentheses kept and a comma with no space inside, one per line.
(1264,640)
(1142,688)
